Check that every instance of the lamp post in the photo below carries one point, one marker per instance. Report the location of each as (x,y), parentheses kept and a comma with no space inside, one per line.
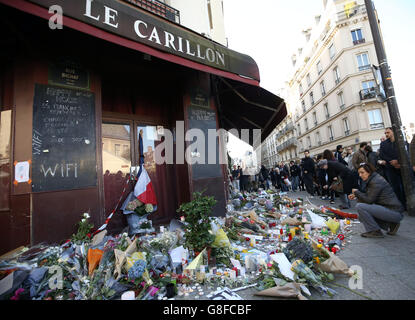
(406,168)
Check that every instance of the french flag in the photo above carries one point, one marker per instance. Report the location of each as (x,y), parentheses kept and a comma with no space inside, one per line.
(143,190)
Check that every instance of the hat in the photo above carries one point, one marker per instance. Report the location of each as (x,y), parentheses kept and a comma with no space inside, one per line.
(322,163)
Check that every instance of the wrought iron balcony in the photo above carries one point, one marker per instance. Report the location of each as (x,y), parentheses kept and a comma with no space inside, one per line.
(363,68)
(159,8)
(367,94)
(359,41)
(351,12)
(289,143)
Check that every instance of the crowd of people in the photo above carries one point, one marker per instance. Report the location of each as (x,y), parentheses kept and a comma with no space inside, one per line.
(371,178)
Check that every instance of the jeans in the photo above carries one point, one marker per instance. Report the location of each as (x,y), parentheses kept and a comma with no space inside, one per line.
(295,183)
(235,184)
(345,200)
(375,217)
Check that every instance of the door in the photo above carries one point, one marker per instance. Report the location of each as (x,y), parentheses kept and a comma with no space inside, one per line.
(126,144)
(117,158)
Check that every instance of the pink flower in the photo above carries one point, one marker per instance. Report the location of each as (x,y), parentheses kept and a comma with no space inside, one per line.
(17,294)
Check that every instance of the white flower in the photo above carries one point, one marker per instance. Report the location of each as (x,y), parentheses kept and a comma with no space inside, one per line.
(83,220)
(125,234)
(86,215)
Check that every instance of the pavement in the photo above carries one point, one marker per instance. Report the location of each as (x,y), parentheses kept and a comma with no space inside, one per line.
(387,265)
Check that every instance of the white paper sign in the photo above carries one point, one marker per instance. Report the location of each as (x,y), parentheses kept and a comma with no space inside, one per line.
(283,264)
(21,172)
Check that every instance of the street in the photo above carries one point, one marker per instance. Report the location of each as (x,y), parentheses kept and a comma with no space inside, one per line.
(387,264)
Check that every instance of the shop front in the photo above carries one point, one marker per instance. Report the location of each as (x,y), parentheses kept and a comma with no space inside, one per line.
(83,105)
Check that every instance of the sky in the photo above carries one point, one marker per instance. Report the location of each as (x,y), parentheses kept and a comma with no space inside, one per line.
(270,32)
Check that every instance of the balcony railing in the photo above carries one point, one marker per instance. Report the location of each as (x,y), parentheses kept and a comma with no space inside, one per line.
(375,126)
(347,133)
(367,94)
(352,12)
(289,143)
(158,8)
(363,68)
(289,127)
(359,41)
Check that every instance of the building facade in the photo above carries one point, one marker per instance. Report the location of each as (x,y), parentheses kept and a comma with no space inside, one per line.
(332,91)
(74,124)
(203,16)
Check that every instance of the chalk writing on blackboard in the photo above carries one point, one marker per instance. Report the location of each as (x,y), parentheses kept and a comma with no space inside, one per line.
(63,139)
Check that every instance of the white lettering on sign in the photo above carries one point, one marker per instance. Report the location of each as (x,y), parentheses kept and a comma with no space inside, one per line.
(66,170)
(153,33)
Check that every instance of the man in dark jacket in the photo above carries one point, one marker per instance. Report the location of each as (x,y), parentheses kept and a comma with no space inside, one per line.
(339,155)
(389,159)
(295,175)
(309,171)
(378,207)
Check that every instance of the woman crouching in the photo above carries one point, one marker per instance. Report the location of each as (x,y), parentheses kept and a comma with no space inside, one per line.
(378,208)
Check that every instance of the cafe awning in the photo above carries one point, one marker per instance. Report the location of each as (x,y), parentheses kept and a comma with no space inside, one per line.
(244,106)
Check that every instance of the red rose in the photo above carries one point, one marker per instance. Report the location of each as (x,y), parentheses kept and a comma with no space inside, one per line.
(88,235)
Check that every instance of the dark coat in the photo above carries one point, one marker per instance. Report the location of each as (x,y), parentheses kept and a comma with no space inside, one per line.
(295,171)
(379,191)
(308,165)
(339,158)
(388,152)
(337,169)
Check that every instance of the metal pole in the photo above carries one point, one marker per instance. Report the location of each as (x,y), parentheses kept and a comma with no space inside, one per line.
(406,168)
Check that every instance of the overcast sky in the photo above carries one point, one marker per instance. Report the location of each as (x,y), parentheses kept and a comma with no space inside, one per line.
(270,32)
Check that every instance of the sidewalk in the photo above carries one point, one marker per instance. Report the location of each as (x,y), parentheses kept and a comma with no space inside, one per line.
(388,264)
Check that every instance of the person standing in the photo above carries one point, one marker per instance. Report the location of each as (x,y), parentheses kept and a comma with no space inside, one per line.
(308,167)
(339,155)
(378,208)
(389,160)
(372,157)
(359,157)
(265,176)
(295,175)
(273,175)
(235,178)
(348,158)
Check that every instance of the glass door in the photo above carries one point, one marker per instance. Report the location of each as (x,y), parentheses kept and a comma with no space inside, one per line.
(117,158)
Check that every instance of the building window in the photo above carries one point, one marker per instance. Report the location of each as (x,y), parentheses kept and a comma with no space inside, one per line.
(315,118)
(306,124)
(318,138)
(323,88)
(303,105)
(319,68)
(331,135)
(341,100)
(117,150)
(332,51)
(375,119)
(346,127)
(309,80)
(299,129)
(326,110)
(309,142)
(357,37)
(312,98)
(363,61)
(301,90)
(336,75)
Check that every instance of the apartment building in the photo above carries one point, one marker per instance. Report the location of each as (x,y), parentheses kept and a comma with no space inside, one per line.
(332,91)
(203,16)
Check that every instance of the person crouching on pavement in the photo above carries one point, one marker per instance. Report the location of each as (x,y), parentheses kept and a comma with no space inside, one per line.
(378,208)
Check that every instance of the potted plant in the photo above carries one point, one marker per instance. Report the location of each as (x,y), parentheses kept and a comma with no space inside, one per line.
(197,214)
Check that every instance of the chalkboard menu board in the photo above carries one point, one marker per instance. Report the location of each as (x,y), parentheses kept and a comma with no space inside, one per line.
(63,140)
(204,119)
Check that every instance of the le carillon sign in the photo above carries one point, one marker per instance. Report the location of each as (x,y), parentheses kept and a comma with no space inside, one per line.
(124,20)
